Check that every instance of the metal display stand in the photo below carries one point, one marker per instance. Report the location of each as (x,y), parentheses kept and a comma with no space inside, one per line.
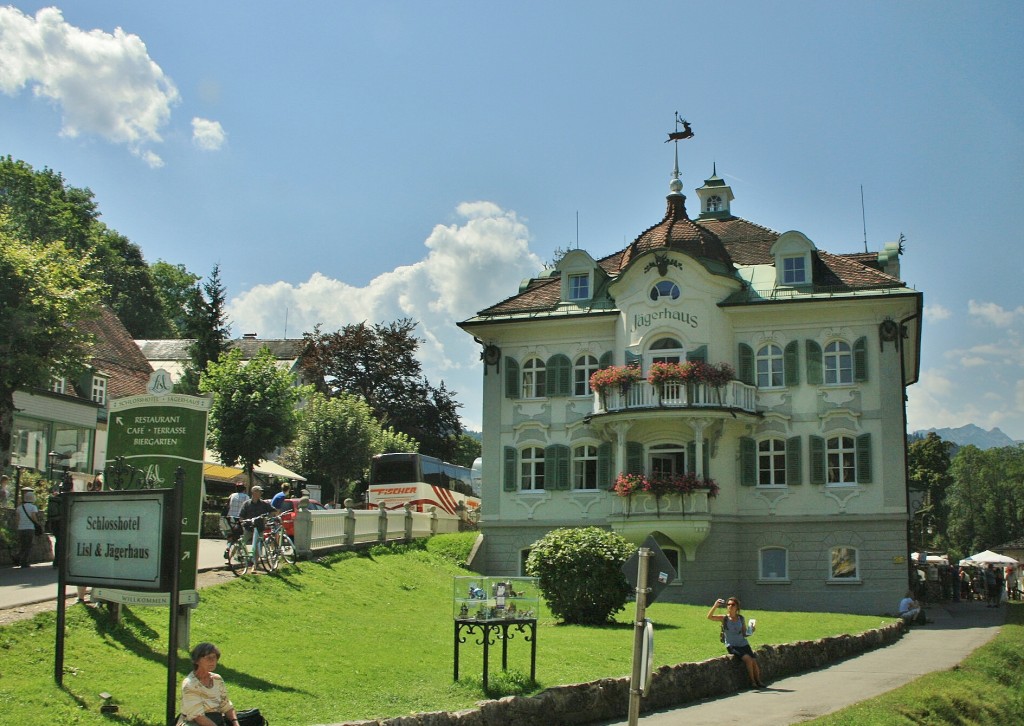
(492,630)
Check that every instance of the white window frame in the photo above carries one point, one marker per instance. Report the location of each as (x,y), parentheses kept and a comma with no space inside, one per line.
(771,359)
(531,469)
(99,390)
(767,463)
(841,460)
(654,354)
(673,454)
(714,203)
(793,273)
(578,286)
(844,551)
(584,467)
(58,384)
(671,291)
(534,374)
(764,573)
(584,367)
(837,363)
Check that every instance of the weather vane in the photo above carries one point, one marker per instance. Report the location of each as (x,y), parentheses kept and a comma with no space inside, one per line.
(677,135)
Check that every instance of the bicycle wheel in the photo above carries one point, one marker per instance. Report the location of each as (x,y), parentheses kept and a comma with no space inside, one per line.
(238,558)
(287,549)
(270,555)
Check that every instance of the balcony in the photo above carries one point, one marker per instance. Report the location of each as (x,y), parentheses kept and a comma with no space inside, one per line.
(683,518)
(734,396)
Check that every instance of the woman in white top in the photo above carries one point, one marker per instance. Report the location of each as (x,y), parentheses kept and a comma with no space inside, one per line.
(28,518)
(204,698)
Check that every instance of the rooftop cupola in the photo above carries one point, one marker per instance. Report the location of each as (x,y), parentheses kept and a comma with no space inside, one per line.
(715,197)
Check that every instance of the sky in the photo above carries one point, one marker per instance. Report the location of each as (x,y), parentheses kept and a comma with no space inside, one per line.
(346,162)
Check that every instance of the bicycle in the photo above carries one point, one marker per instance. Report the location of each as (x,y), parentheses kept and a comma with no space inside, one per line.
(278,540)
(265,553)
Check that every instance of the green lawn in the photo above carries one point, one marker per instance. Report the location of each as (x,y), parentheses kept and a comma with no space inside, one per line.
(349,637)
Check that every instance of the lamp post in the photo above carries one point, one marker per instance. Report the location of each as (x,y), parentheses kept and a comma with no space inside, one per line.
(51,461)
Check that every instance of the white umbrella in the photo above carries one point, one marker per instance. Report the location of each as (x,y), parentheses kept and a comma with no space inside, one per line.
(988,557)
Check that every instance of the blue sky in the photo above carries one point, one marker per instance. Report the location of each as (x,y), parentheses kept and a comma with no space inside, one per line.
(348,161)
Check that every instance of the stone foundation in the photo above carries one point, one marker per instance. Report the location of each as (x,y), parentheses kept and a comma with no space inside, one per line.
(672,686)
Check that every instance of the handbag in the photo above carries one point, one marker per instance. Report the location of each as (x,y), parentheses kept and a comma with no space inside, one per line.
(35,525)
(251,717)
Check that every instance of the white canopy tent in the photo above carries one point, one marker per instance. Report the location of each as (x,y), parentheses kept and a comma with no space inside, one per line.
(932,559)
(986,558)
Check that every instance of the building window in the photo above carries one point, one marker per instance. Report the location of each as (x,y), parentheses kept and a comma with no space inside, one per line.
(841,458)
(534,378)
(579,287)
(666,289)
(774,563)
(844,564)
(794,270)
(584,467)
(524,555)
(58,384)
(838,360)
(715,204)
(771,463)
(583,369)
(770,372)
(531,469)
(99,390)
(667,460)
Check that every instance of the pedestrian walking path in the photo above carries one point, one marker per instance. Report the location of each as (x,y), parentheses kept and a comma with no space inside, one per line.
(958,629)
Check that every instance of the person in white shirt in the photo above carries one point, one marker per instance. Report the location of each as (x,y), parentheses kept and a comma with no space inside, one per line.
(236,500)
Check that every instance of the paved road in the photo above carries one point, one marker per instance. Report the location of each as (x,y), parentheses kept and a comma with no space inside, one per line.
(38,583)
(959,629)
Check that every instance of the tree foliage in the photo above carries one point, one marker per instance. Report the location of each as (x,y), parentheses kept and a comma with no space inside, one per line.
(175,286)
(42,207)
(207,324)
(378,363)
(254,407)
(580,571)
(986,499)
(928,463)
(45,294)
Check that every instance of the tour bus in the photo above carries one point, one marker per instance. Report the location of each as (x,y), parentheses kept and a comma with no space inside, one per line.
(423,481)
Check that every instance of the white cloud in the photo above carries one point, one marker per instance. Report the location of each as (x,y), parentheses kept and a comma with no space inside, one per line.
(469,265)
(207,135)
(993,313)
(104,83)
(936,313)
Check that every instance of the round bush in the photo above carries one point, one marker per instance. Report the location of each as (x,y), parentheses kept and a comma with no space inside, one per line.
(580,573)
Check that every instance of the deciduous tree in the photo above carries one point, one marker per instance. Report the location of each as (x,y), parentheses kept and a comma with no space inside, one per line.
(986,498)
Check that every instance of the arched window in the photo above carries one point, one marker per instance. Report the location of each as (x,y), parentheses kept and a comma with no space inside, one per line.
(774,563)
(843,564)
(771,463)
(531,469)
(534,378)
(665,289)
(770,368)
(838,360)
(665,350)
(584,367)
(715,203)
(584,467)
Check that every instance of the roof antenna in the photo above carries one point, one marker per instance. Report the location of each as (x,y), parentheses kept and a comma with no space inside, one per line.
(286,323)
(863,219)
(577,229)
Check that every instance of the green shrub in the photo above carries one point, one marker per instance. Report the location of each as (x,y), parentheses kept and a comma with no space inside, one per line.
(580,573)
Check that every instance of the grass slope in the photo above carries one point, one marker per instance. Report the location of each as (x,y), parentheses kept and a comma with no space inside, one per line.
(349,637)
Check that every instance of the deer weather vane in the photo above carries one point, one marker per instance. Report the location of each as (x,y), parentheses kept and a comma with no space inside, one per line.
(677,135)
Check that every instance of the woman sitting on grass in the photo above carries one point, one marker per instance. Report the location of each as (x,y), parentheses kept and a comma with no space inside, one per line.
(735,639)
(204,698)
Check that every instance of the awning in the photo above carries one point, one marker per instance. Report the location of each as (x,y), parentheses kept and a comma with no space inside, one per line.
(213,469)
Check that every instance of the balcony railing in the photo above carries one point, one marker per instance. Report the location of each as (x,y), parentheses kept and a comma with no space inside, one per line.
(734,395)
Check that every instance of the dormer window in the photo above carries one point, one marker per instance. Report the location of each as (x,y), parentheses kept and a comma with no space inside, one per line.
(58,384)
(714,204)
(794,270)
(99,390)
(579,287)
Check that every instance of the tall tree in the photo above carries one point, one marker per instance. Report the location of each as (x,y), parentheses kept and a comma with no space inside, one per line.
(378,362)
(45,294)
(174,287)
(928,462)
(254,407)
(986,498)
(209,327)
(41,206)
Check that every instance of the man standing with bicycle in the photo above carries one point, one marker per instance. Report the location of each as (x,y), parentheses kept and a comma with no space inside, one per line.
(255,507)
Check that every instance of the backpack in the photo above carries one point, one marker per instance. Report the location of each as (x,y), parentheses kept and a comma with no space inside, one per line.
(743,627)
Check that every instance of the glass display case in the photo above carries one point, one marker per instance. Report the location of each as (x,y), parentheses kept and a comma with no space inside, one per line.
(487,599)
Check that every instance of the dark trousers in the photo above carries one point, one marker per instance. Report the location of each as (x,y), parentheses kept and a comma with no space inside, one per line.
(26,537)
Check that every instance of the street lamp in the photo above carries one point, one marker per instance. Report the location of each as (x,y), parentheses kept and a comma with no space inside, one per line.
(51,460)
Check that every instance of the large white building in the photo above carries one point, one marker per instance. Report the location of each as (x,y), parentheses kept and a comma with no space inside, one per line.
(806,445)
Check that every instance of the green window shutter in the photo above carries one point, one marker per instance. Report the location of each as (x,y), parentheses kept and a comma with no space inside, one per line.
(511,482)
(691,457)
(794,461)
(511,378)
(746,362)
(698,354)
(814,364)
(860,360)
(748,462)
(791,363)
(634,457)
(556,466)
(604,466)
(632,359)
(864,459)
(559,378)
(605,361)
(817,446)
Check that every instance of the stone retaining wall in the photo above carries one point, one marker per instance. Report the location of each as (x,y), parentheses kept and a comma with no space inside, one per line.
(672,686)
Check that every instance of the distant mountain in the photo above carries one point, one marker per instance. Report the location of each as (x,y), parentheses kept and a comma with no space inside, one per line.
(971,435)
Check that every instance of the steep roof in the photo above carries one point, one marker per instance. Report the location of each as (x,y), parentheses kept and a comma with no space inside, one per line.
(114,353)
